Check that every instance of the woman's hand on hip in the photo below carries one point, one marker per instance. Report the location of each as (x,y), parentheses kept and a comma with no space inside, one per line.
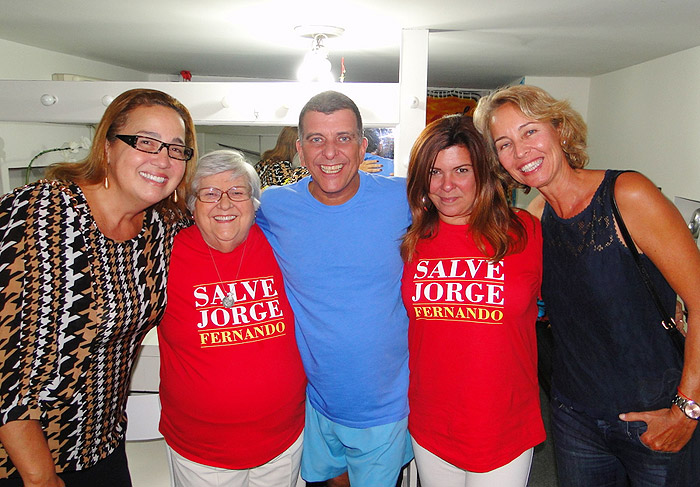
(668,430)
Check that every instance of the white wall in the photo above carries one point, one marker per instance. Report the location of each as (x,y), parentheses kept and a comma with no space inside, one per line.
(31,63)
(647,118)
(576,90)
(19,142)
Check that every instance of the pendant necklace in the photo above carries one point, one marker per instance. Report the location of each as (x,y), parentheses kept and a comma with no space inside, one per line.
(230,299)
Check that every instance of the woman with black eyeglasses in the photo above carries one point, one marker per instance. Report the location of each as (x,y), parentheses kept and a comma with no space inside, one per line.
(83,260)
(232,385)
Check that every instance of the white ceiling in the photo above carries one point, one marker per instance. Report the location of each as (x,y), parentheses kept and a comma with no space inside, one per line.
(473,43)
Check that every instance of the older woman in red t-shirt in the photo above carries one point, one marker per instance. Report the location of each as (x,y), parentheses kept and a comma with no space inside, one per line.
(232,383)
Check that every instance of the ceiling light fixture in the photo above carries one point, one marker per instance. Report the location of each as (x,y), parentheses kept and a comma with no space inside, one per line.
(316,66)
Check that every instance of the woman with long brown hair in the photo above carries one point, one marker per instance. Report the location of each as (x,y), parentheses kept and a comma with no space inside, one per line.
(470,285)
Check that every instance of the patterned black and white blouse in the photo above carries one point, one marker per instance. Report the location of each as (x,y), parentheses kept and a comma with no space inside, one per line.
(75,307)
(279,173)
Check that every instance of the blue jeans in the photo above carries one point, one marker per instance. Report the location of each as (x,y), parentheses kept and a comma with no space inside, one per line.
(598,453)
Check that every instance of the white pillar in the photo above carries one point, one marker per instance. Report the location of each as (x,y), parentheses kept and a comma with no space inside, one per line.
(413,82)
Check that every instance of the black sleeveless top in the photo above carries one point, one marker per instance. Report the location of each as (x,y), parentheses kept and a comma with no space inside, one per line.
(611,353)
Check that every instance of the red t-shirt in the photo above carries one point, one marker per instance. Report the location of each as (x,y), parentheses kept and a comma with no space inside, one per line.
(232,383)
(473,390)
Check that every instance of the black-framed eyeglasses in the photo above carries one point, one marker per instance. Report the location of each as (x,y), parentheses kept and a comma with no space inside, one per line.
(154,146)
(213,195)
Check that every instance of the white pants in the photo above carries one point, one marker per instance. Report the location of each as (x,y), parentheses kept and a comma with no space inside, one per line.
(281,471)
(436,472)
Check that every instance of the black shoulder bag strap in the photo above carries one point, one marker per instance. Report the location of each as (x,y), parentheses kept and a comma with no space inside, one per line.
(667,321)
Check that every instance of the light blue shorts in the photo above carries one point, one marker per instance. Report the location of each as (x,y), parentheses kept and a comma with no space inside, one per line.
(373,457)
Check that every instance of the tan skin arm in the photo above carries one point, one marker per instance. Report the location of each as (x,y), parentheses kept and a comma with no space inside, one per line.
(26,444)
(660,232)
(536,206)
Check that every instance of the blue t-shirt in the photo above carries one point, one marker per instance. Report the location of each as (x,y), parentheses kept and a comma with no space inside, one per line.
(342,271)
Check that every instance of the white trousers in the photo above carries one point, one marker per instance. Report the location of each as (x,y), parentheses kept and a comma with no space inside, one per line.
(436,472)
(281,471)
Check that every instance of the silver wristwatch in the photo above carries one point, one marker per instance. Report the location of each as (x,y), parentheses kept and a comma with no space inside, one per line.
(689,408)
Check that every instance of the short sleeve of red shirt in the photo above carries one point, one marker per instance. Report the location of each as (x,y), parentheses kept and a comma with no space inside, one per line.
(473,391)
(232,383)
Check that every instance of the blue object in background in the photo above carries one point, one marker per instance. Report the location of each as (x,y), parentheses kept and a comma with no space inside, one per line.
(387,164)
(541,311)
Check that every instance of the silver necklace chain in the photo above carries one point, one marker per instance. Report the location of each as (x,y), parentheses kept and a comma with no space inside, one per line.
(230,299)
